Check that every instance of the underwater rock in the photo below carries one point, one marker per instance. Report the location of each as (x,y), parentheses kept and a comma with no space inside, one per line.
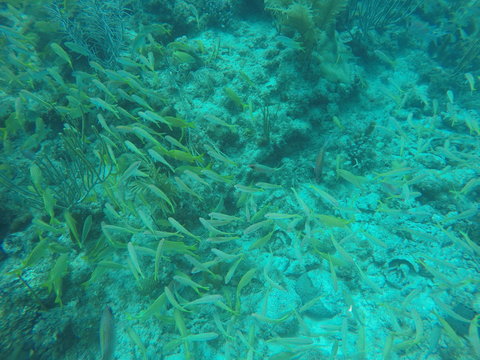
(313,284)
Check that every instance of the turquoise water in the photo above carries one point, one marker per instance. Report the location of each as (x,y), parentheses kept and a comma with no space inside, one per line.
(239,180)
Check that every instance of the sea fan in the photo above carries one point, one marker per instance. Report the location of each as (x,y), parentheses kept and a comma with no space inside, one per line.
(326,12)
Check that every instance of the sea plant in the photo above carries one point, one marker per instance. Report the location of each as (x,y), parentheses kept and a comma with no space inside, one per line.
(308,19)
(95,29)
(377,14)
(67,179)
(312,23)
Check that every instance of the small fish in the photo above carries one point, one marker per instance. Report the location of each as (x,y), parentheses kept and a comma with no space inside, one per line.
(178,122)
(157,157)
(172,300)
(470,81)
(128,62)
(133,148)
(184,156)
(186,188)
(355,180)
(213,231)
(198,266)
(218,155)
(450,96)
(181,229)
(10,32)
(142,134)
(101,86)
(290,43)
(176,143)
(222,239)
(268,186)
(156,191)
(247,189)
(201,337)
(263,169)
(220,216)
(147,62)
(207,299)
(254,227)
(216,177)
(57,49)
(332,221)
(336,120)
(107,334)
(53,72)
(137,341)
(235,98)
(102,104)
(223,256)
(217,121)
(326,197)
(185,280)
(77,48)
(396,171)
(140,101)
(134,258)
(319,161)
(280,216)
(181,57)
(385,58)
(96,66)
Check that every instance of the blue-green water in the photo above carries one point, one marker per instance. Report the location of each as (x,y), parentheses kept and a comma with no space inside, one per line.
(239,180)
